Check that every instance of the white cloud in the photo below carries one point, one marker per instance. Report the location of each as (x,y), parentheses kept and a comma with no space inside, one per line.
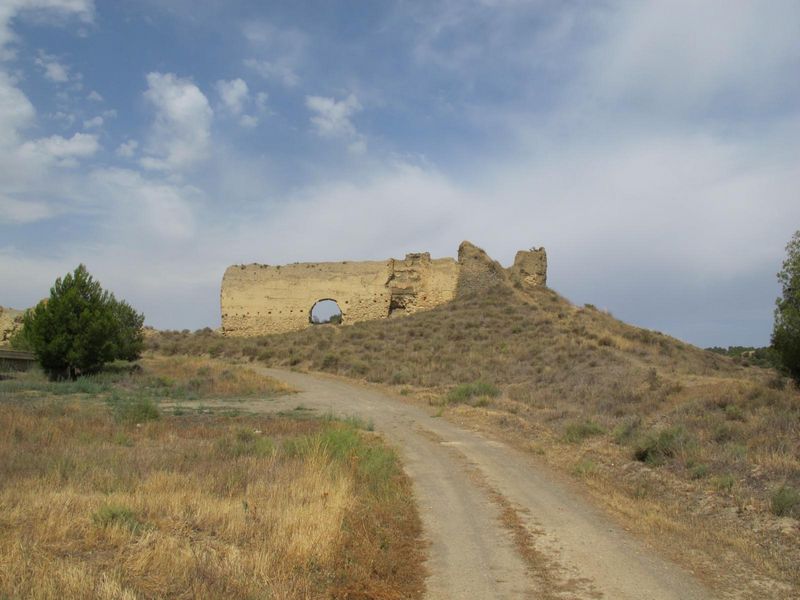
(181,133)
(127,149)
(64,152)
(358,146)
(248,121)
(399,208)
(274,71)
(53,70)
(94,96)
(16,111)
(687,55)
(233,94)
(83,9)
(66,118)
(93,123)
(18,212)
(146,207)
(279,52)
(332,116)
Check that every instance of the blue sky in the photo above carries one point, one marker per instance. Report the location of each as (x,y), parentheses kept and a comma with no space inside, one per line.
(652,147)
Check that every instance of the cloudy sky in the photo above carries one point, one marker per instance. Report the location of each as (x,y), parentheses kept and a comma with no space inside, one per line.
(652,147)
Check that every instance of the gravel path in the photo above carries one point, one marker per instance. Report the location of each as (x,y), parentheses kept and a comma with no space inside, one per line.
(499,525)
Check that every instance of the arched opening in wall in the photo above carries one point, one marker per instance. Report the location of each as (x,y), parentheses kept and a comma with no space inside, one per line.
(325,311)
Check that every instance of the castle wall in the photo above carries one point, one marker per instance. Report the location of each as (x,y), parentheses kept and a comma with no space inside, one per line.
(530,267)
(261,299)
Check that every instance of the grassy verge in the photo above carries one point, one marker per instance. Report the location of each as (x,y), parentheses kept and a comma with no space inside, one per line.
(104,496)
(174,378)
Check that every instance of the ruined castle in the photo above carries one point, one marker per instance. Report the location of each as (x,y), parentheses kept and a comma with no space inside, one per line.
(261,299)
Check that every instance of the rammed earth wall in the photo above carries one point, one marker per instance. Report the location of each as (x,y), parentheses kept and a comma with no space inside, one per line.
(261,299)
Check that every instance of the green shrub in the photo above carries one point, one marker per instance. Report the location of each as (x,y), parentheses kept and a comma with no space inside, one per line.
(112,514)
(624,432)
(123,440)
(698,471)
(329,361)
(377,464)
(400,377)
(577,432)
(734,413)
(133,409)
(467,392)
(245,443)
(658,446)
(251,352)
(340,442)
(359,423)
(358,367)
(19,341)
(723,433)
(653,380)
(724,483)
(584,468)
(785,501)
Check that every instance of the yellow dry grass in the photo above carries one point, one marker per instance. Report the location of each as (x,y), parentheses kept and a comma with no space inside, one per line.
(187,507)
(210,377)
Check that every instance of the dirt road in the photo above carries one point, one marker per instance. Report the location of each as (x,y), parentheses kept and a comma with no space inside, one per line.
(500,526)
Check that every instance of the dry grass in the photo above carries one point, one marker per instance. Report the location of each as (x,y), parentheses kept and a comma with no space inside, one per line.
(206,506)
(175,378)
(199,377)
(716,439)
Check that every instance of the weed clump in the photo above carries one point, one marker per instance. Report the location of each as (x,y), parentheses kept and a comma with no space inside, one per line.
(585,468)
(245,443)
(112,514)
(657,447)
(133,409)
(400,377)
(785,501)
(625,431)
(577,432)
(468,393)
(698,471)
(724,483)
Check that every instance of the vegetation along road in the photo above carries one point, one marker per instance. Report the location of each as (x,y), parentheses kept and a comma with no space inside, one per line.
(499,525)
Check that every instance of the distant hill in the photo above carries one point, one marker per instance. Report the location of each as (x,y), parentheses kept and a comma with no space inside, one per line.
(750,355)
(10,321)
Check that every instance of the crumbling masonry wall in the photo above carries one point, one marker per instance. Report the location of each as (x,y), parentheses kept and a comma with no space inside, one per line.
(261,299)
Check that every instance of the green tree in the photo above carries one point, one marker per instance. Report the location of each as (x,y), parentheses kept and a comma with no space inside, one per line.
(81,327)
(129,341)
(19,341)
(786,332)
